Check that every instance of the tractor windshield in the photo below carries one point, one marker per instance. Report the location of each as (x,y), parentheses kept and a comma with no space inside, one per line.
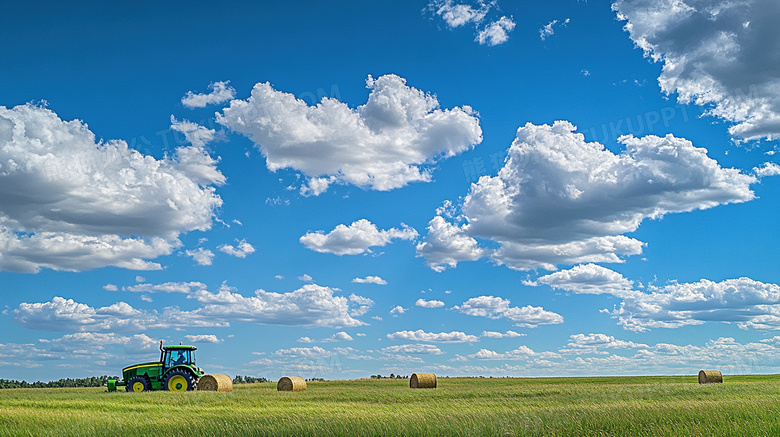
(179,356)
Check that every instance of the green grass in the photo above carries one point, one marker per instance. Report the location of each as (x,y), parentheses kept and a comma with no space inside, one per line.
(648,406)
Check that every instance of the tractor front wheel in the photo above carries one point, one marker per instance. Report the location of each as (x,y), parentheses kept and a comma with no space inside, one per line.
(179,380)
(138,384)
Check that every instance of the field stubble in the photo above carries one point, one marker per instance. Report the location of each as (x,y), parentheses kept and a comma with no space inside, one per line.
(674,406)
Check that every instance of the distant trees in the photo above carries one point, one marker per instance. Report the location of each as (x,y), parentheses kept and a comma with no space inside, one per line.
(392,376)
(92,381)
(247,379)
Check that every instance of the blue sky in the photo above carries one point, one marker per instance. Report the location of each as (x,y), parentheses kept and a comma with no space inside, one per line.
(469,188)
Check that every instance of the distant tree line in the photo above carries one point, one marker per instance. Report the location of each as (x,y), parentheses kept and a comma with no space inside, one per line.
(247,379)
(92,381)
(392,376)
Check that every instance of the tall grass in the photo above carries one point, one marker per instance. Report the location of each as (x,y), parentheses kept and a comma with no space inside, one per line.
(673,406)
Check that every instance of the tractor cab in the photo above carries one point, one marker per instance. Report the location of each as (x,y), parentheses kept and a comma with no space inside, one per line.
(172,356)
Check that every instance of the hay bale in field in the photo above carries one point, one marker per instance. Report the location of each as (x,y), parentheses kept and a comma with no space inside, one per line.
(291,383)
(710,377)
(422,380)
(215,383)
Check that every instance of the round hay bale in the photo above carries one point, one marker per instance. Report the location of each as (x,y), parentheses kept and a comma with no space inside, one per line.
(422,380)
(291,383)
(710,377)
(215,383)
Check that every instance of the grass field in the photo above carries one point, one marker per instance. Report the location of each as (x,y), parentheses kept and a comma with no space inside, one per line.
(651,406)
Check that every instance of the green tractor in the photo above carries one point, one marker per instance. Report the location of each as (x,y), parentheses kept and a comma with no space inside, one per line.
(176,371)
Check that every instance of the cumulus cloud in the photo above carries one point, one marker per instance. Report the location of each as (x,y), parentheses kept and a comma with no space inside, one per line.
(588,279)
(70,202)
(748,303)
(203,338)
(521,353)
(720,54)
(561,200)
(495,334)
(167,287)
(67,315)
(549,29)
(767,169)
(370,280)
(447,244)
(195,161)
(421,349)
(497,308)
(339,336)
(354,239)
(496,32)
(310,305)
(203,257)
(429,303)
(220,92)
(459,14)
(364,304)
(398,310)
(435,337)
(384,144)
(597,344)
(241,250)
(745,302)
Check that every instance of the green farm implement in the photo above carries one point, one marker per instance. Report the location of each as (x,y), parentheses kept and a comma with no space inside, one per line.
(176,371)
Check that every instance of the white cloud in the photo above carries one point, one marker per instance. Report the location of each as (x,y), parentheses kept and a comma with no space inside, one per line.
(195,161)
(74,203)
(521,353)
(241,250)
(596,344)
(429,303)
(714,54)
(305,278)
(167,287)
(203,257)
(561,200)
(220,92)
(385,144)
(422,349)
(364,305)
(443,337)
(495,334)
(339,336)
(110,287)
(398,310)
(447,244)
(203,338)
(767,169)
(310,305)
(588,279)
(459,14)
(354,239)
(305,340)
(745,302)
(496,308)
(370,280)
(67,315)
(549,29)
(496,32)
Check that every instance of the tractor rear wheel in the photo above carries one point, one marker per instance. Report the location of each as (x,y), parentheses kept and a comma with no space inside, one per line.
(138,384)
(179,380)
